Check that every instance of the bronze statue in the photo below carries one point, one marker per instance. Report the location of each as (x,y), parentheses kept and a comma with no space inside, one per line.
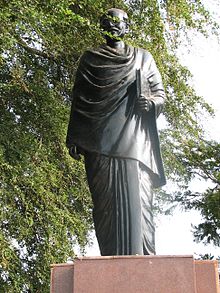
(117,96)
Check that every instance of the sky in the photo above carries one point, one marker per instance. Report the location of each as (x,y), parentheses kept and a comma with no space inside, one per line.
(174,233)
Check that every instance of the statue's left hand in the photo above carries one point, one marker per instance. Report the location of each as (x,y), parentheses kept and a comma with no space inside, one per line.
(74,153)
(144,103)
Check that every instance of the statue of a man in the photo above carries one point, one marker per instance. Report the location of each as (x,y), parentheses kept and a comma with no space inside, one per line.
(117,96)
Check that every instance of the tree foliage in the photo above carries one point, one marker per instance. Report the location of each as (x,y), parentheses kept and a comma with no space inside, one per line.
(45,207)
(204,161)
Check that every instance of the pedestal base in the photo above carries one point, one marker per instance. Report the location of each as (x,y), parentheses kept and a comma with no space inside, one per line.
(135,274)
(207,277)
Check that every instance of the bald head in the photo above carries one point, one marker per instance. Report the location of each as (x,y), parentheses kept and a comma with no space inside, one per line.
(115,23)
(116,11)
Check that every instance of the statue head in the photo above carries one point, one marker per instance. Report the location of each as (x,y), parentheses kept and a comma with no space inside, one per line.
(115,22)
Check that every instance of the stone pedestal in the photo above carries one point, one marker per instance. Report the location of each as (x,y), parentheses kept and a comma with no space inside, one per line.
(207,277)
(125,274)
(62,277)
(132,274)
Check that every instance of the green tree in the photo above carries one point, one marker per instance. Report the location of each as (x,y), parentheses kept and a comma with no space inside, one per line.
(203,160)
(45,207)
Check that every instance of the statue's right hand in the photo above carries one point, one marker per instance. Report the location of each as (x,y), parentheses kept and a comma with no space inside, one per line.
(74,153)
(144,103)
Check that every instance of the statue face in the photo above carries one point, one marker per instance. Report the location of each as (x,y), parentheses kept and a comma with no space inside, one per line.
(114,22)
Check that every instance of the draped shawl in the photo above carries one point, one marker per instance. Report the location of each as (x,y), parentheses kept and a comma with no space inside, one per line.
(105,117)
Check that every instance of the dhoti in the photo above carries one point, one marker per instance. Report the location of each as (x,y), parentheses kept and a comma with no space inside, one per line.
(122,196)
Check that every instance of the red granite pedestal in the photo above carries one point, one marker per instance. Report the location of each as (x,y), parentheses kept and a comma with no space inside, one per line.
(126,274)
(207,277)
(132,274)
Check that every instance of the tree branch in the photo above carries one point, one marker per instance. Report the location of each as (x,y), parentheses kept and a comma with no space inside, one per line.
(34,51)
